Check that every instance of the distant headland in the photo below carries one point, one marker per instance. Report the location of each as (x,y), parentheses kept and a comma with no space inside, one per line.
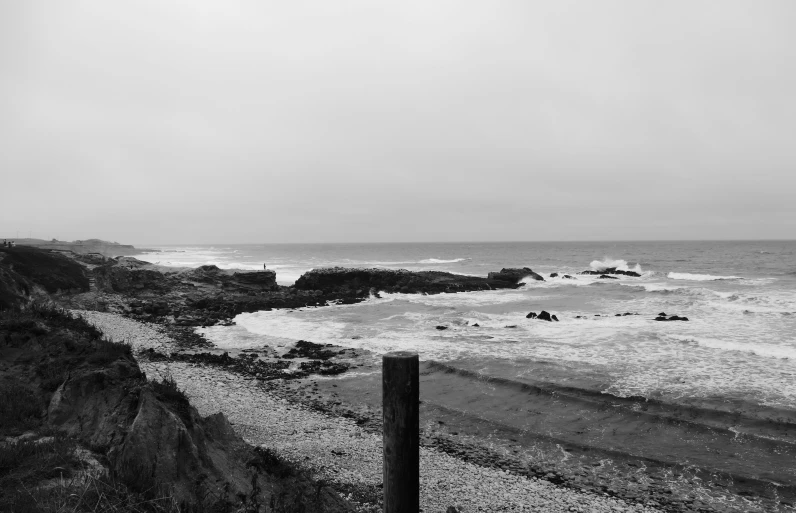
(82,247)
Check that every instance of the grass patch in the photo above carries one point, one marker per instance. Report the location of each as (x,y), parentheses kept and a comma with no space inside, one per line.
(268,460)
(107,351)
(175,399)
(52,271)
(20,408)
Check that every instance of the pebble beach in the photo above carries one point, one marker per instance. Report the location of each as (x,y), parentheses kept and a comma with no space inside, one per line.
(337,450)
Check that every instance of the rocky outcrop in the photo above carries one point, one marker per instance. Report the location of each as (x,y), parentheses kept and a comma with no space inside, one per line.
(514,275)
(129,275)
(357,282)
(146,435)
(613,270)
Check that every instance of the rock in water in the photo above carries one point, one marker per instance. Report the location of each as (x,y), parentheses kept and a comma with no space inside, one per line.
(671,318)
(554,275)
(531,315)
(514,275)
(545,316)
(442,328)
(613,270)
(554,318)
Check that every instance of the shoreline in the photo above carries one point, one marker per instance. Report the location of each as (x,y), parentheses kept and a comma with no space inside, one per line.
(345,409)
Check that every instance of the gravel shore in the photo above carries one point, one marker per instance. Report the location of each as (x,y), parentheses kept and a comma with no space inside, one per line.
(340,452)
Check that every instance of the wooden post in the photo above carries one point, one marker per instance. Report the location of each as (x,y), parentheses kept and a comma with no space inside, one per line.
(401,399)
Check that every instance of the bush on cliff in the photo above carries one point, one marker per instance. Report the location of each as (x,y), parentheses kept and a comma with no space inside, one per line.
(119,442)
(52,271)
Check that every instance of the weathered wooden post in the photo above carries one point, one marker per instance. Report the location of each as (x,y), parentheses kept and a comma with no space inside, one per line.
(401,399)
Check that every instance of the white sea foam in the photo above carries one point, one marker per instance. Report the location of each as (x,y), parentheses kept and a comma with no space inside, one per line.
(608,263)
(700,277)
(756,348)
(438,261)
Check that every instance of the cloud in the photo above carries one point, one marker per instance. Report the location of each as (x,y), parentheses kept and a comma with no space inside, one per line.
(305,121)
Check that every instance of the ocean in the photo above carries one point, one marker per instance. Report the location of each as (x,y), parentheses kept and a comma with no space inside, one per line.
(736,352)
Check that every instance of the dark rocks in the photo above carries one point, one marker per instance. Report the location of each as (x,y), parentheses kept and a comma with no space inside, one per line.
(543,315)
(613,270)
(606,277)
(671,318)
(554,275)
(304,349)
(568,277)
(476,325)
(359,282)
(514,275)
(511,326)
(442,328)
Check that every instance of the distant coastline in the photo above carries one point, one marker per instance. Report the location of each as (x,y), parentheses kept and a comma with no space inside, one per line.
(82,247)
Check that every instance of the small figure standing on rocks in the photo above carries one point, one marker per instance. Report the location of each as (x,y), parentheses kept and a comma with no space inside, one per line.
(264,267)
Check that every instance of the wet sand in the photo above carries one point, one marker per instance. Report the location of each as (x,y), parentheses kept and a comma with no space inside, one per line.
(631,448)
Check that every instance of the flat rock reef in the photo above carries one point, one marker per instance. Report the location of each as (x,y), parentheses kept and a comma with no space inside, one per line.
(309,416)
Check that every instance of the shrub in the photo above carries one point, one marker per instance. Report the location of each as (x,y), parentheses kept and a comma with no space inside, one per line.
(20,408)
(175,399)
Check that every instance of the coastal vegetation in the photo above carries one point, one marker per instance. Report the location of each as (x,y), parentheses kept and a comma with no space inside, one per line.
(82,428)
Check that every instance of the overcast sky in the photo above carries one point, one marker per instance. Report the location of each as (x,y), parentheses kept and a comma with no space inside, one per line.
(194,121)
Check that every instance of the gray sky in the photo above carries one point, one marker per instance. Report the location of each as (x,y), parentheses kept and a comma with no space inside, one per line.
(194,121)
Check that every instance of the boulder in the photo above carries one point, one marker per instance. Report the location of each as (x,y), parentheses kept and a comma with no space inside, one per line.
(606,277)
(554,275)
(531,315)
(545,316)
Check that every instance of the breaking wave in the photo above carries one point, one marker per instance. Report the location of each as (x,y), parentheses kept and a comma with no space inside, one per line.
(608,263)
(438,261)
(700,277)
